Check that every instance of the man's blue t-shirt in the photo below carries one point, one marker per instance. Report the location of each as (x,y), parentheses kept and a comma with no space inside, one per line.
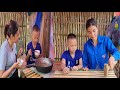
(70,62)
(30,46)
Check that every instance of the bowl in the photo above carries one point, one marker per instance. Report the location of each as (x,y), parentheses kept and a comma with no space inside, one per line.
(44,65)
(37,53)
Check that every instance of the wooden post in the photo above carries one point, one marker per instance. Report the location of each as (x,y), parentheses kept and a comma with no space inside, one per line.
(105,70)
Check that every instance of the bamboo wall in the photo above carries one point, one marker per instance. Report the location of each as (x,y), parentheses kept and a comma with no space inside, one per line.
(74,22)
(21,18)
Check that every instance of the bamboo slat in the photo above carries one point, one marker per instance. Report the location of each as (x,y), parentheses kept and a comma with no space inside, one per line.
(28,73)
(84,74)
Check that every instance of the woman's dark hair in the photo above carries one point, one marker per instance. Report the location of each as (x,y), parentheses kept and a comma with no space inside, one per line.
(71,36)
(11,28)
(91,22)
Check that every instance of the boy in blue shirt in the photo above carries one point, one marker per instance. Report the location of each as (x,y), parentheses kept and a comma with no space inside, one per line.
(71,58)
(33,45)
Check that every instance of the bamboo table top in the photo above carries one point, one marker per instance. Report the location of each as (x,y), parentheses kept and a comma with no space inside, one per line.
(57,73)
(32,73)
(84,74)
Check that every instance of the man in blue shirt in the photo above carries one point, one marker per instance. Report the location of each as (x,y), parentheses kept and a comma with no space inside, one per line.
(96,49)
(71,58)
(33,45)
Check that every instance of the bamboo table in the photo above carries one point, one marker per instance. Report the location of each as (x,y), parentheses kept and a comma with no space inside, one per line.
(29,73)
(57,73)
(32,73)
(84,74)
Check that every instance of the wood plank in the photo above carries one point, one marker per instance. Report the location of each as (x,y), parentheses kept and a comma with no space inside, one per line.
(28,73)
(68,76)
(73,76)
(59,72)
(84,74)
(88,74)
(36,76)
(31,75)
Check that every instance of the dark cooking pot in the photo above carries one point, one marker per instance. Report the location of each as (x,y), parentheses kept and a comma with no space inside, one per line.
(43,65)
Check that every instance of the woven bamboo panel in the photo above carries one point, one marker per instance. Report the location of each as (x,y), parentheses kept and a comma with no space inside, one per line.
(74,22)
(22,20)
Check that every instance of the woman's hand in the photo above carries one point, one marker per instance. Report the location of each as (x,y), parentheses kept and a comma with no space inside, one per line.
(111,62)
(15,65)
(23,65)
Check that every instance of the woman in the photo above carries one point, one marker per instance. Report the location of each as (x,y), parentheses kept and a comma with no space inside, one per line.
(8,56)
(96,49)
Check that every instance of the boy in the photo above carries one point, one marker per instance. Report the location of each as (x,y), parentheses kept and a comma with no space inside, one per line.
(71,58)
(33,45)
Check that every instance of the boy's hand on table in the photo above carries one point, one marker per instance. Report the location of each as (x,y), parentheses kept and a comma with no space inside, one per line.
(75,68)
(85,69)
(66,70)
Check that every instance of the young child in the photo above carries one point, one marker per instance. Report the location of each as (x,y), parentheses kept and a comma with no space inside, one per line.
(33,45)
(71,58)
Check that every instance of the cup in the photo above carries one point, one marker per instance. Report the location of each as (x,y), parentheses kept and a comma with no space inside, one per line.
(37,53)
(20,61)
